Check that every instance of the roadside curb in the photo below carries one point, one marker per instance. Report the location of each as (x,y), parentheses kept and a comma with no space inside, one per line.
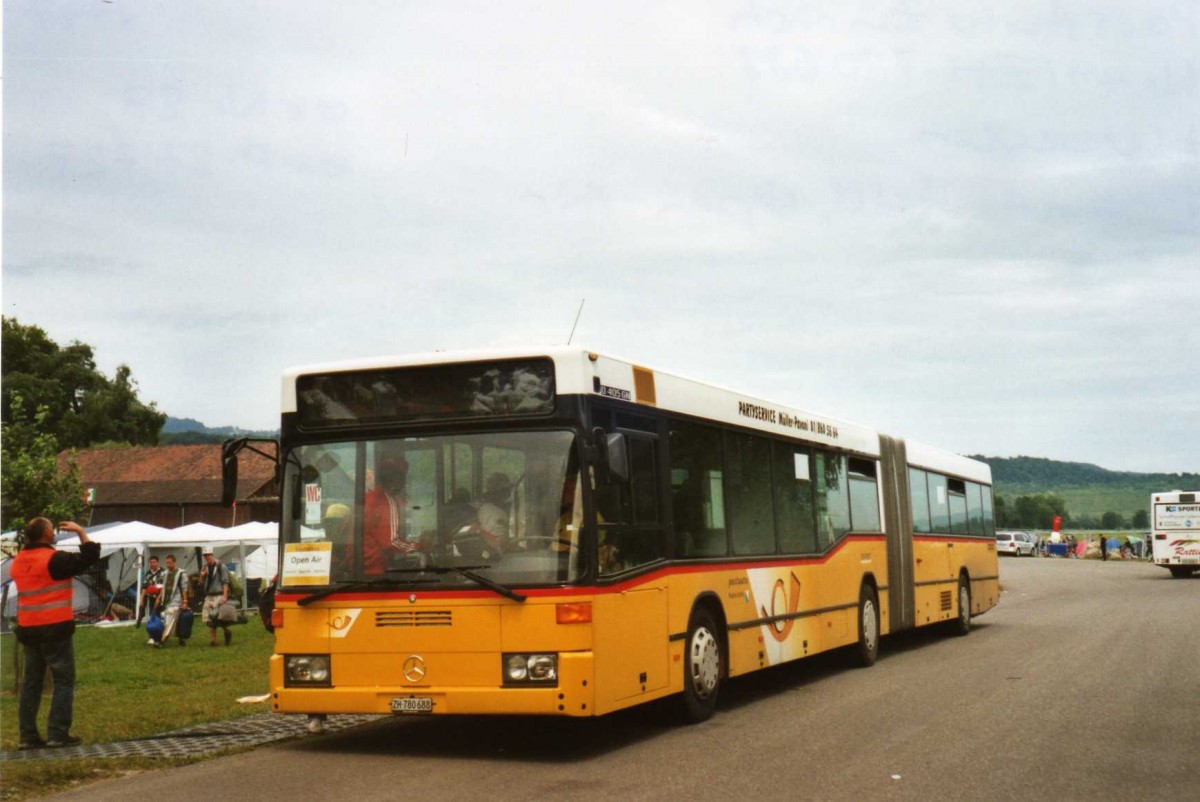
(204,738)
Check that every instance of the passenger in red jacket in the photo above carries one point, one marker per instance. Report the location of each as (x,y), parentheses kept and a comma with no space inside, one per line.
(46,627)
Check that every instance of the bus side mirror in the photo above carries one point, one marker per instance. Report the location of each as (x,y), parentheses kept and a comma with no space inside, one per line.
(229,463)
(229,473)
(617,451)
(597,451)
(298,499)
(610,454)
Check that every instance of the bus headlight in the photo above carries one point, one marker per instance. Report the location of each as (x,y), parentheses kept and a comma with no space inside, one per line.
(307,669)
(530,669)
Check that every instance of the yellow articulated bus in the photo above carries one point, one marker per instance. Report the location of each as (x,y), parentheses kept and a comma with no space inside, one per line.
(557,532)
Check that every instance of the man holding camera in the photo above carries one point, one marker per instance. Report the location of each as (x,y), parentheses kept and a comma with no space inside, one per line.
(46,627)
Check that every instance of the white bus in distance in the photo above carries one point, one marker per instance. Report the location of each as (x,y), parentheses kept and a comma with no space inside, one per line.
(1175,531)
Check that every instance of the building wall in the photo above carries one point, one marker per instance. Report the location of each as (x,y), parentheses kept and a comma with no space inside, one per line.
(170,516)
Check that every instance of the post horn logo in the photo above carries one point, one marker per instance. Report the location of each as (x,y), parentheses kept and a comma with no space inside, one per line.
(339,625)
(786,597)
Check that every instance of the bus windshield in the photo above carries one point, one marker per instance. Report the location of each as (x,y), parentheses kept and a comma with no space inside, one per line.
(504,506)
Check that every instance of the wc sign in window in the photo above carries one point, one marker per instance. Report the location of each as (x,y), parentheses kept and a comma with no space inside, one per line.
(312,504)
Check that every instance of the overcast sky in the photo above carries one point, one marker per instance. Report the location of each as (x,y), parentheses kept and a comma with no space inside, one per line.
(975,227)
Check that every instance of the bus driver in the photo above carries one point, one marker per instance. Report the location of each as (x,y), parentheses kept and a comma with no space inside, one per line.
(383,514)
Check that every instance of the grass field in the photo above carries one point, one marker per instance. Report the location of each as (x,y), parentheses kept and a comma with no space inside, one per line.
(125,689)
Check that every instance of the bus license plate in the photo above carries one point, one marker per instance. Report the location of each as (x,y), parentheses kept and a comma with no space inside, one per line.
(412,704)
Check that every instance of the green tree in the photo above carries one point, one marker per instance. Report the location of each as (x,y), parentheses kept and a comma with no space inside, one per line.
(1038,510)
(1113,520)
(33,485)
(1001,510)
(1140,520)
(81,405)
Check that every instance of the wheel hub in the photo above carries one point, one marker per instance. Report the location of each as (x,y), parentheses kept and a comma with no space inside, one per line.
(870,624)
(704,663)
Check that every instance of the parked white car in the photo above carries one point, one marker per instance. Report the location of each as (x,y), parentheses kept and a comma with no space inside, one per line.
(1018,544)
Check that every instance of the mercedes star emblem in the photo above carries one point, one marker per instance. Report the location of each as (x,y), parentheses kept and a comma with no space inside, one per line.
(414,668)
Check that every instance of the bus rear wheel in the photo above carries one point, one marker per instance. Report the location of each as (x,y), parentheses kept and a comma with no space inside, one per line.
(962,624)
(701,666)
(1180,571)
(868,626)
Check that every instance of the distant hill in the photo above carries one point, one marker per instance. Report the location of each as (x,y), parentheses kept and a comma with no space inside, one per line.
(189,431)
(1088,490)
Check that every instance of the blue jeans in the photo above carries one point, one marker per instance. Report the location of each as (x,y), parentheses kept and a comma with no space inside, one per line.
(59,657)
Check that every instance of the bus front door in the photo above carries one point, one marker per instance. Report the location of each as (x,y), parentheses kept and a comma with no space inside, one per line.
(630,624)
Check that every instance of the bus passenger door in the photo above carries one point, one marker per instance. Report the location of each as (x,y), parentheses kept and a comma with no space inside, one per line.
(630,626)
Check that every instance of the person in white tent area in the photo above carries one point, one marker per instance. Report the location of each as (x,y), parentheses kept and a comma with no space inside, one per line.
(174,600)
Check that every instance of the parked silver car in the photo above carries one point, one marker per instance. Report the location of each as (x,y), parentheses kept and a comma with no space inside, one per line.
(1018,544)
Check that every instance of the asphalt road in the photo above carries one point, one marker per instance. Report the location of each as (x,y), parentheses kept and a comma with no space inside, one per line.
(1083,684)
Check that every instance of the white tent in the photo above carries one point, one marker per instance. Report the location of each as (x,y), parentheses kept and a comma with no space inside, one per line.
(85,597)
(117,537)
(231,546)
(8,540)
(263,562)
(130,544)
(118,541)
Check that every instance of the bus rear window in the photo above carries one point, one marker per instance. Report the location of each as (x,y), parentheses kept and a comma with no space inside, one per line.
(433,392)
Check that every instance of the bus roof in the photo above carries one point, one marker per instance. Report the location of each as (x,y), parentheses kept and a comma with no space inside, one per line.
(584,372)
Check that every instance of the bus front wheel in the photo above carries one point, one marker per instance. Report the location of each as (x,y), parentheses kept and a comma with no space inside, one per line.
(701,666)
(1180,572)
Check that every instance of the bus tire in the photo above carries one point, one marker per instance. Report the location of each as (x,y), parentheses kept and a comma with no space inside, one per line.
(1180,571)
(868,626)
(962,624)
(702,662)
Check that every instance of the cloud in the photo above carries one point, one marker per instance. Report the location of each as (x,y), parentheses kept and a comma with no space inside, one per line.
(964,224)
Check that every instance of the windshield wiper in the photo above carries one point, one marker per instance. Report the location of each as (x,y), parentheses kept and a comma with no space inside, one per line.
(467,571)
(345,586)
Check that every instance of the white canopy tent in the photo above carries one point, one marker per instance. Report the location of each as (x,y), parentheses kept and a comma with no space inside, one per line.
(234,546)
(9,540)
(263,562)
(85,596)
(249,550)
(117,541)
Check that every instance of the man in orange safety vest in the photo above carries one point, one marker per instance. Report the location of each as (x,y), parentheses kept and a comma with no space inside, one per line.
(46,626)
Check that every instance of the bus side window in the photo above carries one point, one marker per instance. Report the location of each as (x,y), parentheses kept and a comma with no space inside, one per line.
(989,517)
(918,489)
(975,509)
(864,496)
(939,504)
(748,488)
(643,486)
(697,491)
(635,538)
(791,479)
(833,498)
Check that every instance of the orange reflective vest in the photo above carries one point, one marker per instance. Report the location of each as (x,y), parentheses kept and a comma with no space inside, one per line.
(41,599)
